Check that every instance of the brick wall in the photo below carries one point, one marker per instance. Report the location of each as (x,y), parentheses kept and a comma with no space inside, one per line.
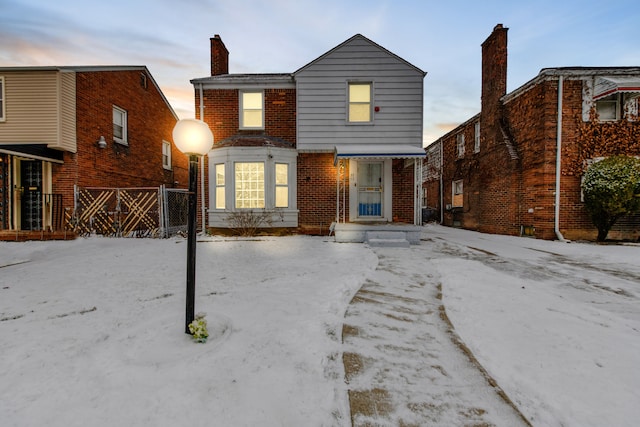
(317,193)
(149,122)
(403,191)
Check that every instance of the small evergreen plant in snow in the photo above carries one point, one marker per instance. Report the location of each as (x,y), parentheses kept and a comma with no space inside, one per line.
(611,189)
(198,328)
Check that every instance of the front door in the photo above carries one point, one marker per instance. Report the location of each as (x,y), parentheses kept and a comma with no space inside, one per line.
(31,194)
(370,189)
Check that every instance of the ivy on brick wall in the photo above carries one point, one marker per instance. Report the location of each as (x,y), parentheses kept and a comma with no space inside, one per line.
(601,139)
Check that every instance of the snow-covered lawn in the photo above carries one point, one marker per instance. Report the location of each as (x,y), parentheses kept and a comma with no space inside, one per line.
(92,330)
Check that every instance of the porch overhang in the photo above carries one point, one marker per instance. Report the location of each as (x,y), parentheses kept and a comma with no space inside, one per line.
(377,151)
(606,86)
(33,151)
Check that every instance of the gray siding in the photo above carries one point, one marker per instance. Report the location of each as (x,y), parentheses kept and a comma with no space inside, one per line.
(322,98)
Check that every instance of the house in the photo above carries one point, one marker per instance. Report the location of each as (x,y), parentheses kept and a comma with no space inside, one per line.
(333,146)
(516,167)
(63,128)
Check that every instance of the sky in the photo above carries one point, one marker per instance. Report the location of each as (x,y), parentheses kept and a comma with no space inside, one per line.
(279,36)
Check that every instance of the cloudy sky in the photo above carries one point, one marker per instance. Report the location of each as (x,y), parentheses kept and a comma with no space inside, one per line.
(443,38)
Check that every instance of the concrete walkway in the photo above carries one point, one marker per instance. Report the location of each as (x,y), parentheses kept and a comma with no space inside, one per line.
(404,364)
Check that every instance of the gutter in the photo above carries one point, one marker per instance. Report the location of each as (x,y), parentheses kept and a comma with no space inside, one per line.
(556,225)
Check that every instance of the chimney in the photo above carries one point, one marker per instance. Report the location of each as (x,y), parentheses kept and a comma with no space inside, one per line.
(494,75)
(494,65)
(219,57)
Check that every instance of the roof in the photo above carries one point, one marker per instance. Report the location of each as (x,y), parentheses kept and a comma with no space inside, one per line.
(378,151)
(253,141)
(272,80)
(96,69)
(360,37)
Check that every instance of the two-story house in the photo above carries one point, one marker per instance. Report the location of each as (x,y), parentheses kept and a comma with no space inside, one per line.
(516,167)
(337,143)
(67,127)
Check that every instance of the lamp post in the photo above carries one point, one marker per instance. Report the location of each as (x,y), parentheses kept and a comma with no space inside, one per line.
(193,138)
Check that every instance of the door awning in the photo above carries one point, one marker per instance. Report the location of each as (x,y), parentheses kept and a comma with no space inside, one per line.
(606,86)
(378,151)
(33,151)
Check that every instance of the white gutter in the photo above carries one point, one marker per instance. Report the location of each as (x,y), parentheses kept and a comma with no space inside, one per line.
(556,226)
(441,184)
(203,207)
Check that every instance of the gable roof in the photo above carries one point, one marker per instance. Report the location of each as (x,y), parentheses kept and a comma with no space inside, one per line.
(351,40)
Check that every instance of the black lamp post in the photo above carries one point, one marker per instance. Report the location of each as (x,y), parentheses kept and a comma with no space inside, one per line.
(193,138)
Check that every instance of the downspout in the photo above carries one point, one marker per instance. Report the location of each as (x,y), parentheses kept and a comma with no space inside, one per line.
(556,226)
(441,184)
(203,207)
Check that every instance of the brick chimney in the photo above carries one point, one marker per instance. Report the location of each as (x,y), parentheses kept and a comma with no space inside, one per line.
(494,77)
(219,57)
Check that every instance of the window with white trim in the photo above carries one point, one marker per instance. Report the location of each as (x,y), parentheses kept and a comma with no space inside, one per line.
(120,125)
(476,137)
(460,144)
(251,110)
(359,102)
(166,155)
(282,185)
(617,106)
(220,183)
(457,194)
(2,100)
(249,180)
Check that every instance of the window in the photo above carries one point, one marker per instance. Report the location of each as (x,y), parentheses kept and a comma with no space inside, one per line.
(607,108)
(166,155)
(251,107)
(119,125)
(617,106)
(460,144)
(457,193)
(249,185)
(2,114)
(476,138)
(220,193)
(282,185)
(359,103)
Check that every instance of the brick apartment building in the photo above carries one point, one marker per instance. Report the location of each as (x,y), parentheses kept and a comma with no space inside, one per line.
(68,127)
(516,167)
(337,141)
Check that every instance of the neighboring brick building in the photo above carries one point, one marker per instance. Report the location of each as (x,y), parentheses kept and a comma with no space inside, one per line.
(498,172)
(61,127)
(339,140)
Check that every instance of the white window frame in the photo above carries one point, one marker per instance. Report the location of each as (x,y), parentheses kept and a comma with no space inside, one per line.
(242,109)
(281,185)
(361,103)
(166,155)
(457,193)
(3,101)
(476,137)
(460,144)
(123,114)
(249,202)
(220,185)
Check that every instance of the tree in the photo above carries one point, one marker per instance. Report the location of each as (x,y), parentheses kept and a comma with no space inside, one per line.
(611,189)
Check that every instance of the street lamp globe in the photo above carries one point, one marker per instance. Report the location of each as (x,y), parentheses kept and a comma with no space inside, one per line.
(193,137)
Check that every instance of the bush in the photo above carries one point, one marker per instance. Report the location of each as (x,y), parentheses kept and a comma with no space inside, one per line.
(611,190)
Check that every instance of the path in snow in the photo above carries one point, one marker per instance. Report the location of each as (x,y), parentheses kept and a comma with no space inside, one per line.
(402,364)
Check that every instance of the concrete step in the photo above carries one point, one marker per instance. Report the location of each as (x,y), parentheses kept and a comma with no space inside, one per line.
(389,243)
(385,238)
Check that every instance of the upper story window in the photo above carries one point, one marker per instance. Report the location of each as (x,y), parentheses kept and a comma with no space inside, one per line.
(2,102)
(251,110)
(360,103)
(617,106)
(166,155)
(476,137)
(120,125)
(460,144)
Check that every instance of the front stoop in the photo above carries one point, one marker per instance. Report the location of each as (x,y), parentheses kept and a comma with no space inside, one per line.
(387,239)
(364,232)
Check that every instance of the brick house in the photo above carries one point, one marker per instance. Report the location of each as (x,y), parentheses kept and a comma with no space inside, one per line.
(515,168)
(336,143)
(62,127)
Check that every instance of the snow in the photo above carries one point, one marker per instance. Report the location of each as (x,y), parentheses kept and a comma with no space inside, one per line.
(92,330)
